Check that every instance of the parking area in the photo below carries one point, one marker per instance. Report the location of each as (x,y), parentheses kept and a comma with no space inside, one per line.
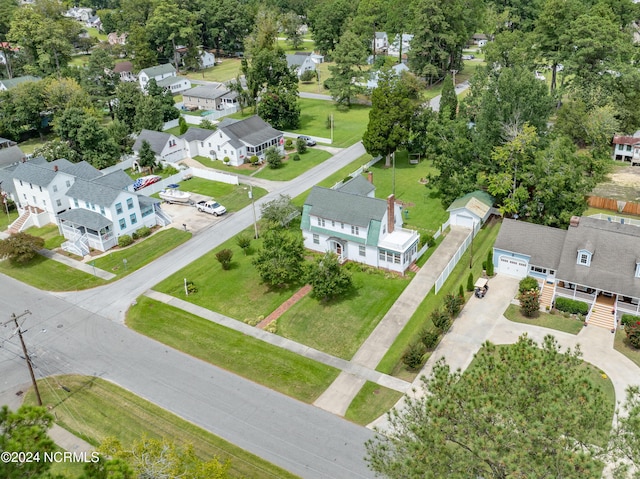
(190,216)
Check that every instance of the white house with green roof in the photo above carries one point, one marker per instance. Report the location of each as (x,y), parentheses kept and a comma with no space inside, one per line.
(356,226)
(471,210)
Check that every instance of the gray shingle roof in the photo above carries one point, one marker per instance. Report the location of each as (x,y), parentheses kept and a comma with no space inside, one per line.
(165,82)
(10,155)
(196,134)
(116,179)
(16,81)
(345,207)
(6,177)
(616,249)
(254,130)
(93,192)
(83,170)
(358,185)
(543,243)
(157,140)
(210,92)
(296,60)
(40,174)
(152,72)
(147,201)
(88,219)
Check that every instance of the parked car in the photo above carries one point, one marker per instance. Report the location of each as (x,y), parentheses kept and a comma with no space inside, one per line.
(212,207)
(540,76)
(468,57)
(310,142)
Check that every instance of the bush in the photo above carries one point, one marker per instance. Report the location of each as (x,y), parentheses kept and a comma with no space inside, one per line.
(572,306)
(429,338)
(243,241)
(428,240)
(224,257)
(254,160)
(470,283)
(452,304)
(273,157)
(327,86)
(529,302)
(633,334)
(191,287)
(490,263)
(125,240)
(21,247)
(226,160)
(412,357)
(461,292)
(134,236)
(527,284)
(301,145)
(144,232)
(440,319)
(288,144)
(308,76)
(296,157)
(627,319)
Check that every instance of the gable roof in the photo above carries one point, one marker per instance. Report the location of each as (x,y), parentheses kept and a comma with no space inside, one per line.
(345,207)
(625,140)
(253,130)
(296,60)
(477,202)
(87,218)
(153,72)
(358,185)
(210,92)
(13,82)
(125,66)
(196,134)
(543,244)
(83,170)
(157,140)
(38,173)
(116,179)
(10,155)
(165,82)
(93,192)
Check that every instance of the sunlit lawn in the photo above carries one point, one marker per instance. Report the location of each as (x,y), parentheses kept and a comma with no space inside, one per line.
(31,144)
(6,220)
(371,402)
(50,233)
(622,346)
(290,169)
(228,69)
(233,197)
(545,320)
(315,86)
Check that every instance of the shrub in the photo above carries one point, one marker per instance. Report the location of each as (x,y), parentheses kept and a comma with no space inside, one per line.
(527,284)
(412,357)
(452,304)
(226,160)
(440,319)
(134,236)
(20,247)
(633,334)
(191,287)
(428,240)
(301,145)
(254,160)
(429,338)
(243,241)
(182,123)
(224,257)
(627,319)
(273,157)
(461,292)
(470,283)
(490,263)
(529,302)
(308,76)
(125,240)
(572,306)
(288,144)
(296,157)
(144,232)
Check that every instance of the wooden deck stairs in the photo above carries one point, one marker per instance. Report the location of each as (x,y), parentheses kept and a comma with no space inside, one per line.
(546,295)
(601,316)
(16,226)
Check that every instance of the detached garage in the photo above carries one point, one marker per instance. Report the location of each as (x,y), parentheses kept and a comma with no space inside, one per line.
(471,210)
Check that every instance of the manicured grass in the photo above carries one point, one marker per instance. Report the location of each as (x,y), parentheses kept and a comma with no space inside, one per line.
(315,86)
(371,402)
(94,32)
(233,197)
(228,69)
(546,320)
(30,145)
(50,275)
(622,346)
(291,169)
(50,233)
(143,252)
(173,131)
(276,368)
(6,220)
(238,293)
(96,409)
(339,327)
(246,169)
(79,60)
(482,243)
(426,213)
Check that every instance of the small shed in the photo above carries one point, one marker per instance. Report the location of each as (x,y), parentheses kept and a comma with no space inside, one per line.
(471,210)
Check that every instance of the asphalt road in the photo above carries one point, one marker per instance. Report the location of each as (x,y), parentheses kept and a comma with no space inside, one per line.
(83,333)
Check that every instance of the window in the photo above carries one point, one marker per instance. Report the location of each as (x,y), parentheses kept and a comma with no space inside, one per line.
(123,223)
(620,147)
(321,222)
(20,182)
(129,203)
(40,188)
(355,230)
(119,208)
(628,147)
(584,257)
(362,250)
(58,203)
(342,225)
(333,223)
(55,188)
(86,205)
(35,202)
(133,219)
(102,211)
(75,203)
(638,270)
(316,239)
(68,183)
(30,186)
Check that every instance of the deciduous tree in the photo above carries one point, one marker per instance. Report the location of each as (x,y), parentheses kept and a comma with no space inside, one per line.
(20,247)
(280,260)
(280,211)
(448,99)
(328,23)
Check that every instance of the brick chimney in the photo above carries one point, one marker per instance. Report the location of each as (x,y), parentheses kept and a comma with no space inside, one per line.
(391,213)
(370,176)
(55,167)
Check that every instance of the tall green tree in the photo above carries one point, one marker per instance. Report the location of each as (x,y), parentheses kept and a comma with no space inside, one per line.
(27,106)
(265,32)
(169,26)
(448,99)
(392,107)
(128,96)
(328,279)
(225,24)
(279,107)
(290,23)
(349,55)
(64,93)
(99,78)
(146,156)
(169,110)
(149,114)
(522,410)
(328,22)
(95,144)
(139,46)
(280,260)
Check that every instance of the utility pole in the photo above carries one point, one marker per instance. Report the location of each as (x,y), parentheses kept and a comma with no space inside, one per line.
(15,318)
(253,205)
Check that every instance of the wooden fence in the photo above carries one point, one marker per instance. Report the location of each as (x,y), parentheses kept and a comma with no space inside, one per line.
(628,207)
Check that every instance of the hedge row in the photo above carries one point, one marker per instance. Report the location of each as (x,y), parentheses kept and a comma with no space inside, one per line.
(572,306)
(629,319)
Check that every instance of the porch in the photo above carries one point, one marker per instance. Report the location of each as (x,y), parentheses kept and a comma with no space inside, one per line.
(86,230)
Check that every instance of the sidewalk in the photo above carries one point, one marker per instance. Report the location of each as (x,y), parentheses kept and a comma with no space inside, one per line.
(338,396)
(79,265)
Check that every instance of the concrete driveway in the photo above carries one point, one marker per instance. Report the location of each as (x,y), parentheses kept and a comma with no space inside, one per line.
(190,216)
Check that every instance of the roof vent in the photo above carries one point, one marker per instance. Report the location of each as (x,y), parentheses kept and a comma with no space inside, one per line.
(575,221)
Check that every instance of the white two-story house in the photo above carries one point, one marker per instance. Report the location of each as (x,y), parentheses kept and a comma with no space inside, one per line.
(356,226)
(167,147)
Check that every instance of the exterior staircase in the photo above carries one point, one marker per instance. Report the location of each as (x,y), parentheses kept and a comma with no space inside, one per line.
(546,295)
(78,245)
(414,267)
(17,225)
(161,217)
(601,316)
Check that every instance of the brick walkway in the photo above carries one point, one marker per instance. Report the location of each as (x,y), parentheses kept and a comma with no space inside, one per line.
(284,307)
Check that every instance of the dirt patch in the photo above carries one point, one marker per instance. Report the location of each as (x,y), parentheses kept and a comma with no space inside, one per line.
(622,184)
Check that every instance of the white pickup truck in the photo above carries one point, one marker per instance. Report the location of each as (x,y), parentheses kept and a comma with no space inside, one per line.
(212,207)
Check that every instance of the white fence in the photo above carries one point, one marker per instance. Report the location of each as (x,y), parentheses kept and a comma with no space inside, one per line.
(213,175)
(436,235)
(453,262)
(353,174)
(121,165)
(163,183)
(220,176)
(319,139)
(616,219)
(197,119)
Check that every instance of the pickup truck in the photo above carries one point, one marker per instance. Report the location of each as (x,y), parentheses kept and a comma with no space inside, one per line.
(212,207)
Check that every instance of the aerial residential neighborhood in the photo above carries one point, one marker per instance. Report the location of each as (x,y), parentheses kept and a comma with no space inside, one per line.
(319,240)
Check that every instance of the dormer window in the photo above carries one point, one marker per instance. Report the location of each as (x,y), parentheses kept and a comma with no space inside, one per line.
(584,257)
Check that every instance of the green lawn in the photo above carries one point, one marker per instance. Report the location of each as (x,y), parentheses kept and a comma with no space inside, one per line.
(143,252)
(483,242)
(622,346)
(339,327)
(233,197)
(228,69)
(175,131)
(546,320)
(238,293)
(276,368)
(29,146)
(50,275)
(163,173)
(6,220)
(291,169)
(315,86)
(371,402)
(50,233)
(96,409)
(246,169)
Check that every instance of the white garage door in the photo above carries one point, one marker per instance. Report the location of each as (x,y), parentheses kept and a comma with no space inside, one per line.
(463,220)
(512,266)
